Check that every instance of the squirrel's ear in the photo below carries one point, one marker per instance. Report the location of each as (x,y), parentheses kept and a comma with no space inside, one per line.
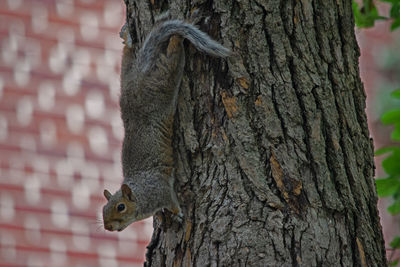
(126,192)
(107,194)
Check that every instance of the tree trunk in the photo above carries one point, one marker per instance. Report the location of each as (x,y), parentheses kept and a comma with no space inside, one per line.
(274,162)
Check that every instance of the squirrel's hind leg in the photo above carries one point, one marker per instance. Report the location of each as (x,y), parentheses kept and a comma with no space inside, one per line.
(174,45)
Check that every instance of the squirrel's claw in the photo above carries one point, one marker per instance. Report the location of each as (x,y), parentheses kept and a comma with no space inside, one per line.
(179,217)
(125,35)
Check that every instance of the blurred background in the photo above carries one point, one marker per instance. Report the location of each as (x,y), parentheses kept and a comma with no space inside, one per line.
(380,73)
(61,132)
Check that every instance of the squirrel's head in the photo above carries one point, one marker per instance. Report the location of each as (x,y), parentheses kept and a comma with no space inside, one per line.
(120,209)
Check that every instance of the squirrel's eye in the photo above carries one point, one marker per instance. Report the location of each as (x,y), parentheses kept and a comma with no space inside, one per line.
(121,207)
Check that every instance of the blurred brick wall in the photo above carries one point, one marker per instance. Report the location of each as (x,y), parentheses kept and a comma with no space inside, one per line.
(374,44)
(60,134)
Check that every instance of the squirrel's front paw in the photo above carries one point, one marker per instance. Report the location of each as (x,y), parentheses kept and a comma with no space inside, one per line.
(179,217)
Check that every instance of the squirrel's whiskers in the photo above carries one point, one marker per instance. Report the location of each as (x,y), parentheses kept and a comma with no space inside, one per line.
(97,223)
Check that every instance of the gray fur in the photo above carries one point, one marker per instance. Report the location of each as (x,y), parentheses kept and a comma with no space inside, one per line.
(149,204)
(149,91)
(165,30)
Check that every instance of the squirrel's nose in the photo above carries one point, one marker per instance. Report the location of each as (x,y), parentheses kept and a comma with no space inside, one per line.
(108,227)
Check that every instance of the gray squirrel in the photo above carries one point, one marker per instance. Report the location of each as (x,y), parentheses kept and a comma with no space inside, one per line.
(149,92)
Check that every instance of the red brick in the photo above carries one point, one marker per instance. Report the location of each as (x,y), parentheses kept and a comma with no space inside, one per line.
(17,165)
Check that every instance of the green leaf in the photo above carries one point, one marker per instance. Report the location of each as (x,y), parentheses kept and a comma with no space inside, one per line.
(394,263)
(357,15)
(395,24)
(395,10)
(366,16)
(391,116)
(394,208)
(387,186)
(395,93)
(391,1)
(385,150)
(391,164)
(396,133)
(395,242)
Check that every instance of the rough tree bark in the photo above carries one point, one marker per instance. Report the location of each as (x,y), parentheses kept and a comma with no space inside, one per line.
(273,155)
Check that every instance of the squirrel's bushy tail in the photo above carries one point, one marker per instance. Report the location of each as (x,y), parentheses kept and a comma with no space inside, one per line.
(165,30)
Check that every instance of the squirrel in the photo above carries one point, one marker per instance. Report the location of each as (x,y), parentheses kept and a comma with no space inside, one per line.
(149,91)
